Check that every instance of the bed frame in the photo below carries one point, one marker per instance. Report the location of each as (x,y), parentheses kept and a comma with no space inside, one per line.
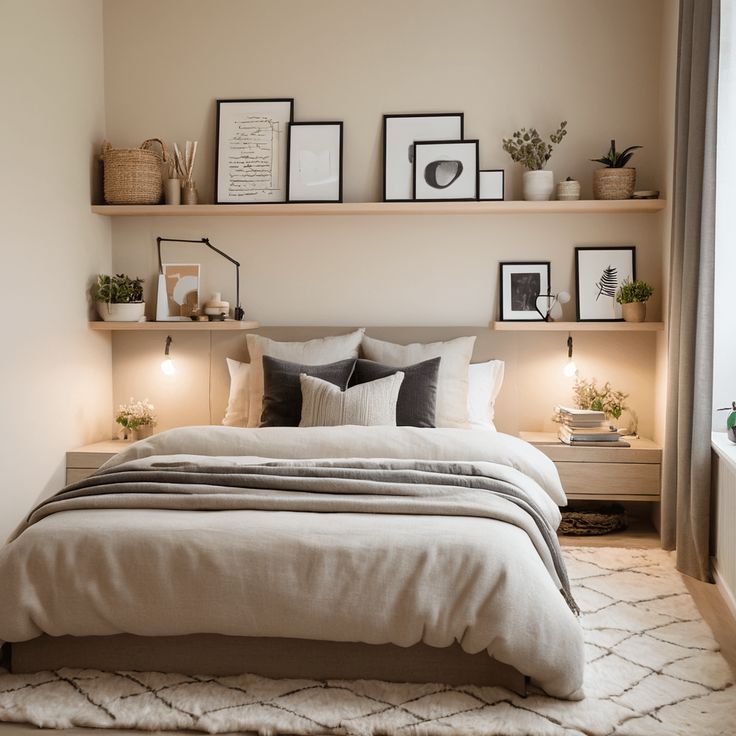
(214,654)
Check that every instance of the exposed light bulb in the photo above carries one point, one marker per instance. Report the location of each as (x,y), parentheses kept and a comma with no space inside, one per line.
(570,369)
(167,367)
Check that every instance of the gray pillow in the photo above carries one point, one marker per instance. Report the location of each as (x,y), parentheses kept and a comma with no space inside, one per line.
(282,392)
(418,395)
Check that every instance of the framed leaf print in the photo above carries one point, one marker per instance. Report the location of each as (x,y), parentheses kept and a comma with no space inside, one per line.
(599,273)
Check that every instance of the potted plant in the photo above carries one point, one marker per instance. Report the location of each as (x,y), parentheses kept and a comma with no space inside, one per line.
(616,180)
(527,148)
(588,395)
(136,418)
(119,298)
(633,297)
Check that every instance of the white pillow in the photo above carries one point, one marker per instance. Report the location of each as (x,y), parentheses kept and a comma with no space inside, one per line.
(368,404)
(452,379)
(312,352)
(238,402)
(484,385)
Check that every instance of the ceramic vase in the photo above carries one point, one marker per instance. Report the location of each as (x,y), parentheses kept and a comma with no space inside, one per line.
(189,193)
(537,186)
(131,312)
(634,311)
(172,191)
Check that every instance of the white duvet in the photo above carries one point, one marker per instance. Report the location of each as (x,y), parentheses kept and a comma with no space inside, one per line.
(372,578)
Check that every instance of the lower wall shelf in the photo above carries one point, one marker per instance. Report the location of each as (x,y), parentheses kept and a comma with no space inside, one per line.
(174,326)
(540,326)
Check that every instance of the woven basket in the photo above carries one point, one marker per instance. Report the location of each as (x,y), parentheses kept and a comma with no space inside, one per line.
(133,175)
(614,183)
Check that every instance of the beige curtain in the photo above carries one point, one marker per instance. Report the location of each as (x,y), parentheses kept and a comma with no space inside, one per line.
(686,486)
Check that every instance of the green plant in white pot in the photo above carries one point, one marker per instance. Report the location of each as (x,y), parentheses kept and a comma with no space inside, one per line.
(527,148)
(633,297)
(119,298)
(616,180)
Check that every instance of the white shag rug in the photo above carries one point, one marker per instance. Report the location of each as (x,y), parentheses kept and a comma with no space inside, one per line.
(653,669)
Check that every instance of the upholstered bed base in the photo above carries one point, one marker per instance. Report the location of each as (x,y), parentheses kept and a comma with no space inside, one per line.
(270,657)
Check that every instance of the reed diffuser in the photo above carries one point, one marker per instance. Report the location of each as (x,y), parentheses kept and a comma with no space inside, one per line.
(185,171)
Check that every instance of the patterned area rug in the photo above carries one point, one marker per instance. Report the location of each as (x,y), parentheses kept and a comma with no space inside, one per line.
(653,669)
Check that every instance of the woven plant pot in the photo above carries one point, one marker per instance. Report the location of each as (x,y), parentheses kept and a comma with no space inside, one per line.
(614,183)
(634,311)
(133,175)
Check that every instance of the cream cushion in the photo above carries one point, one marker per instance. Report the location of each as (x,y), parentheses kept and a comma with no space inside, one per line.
(452,379)
(484,385)
(312,352)
(367,404)
(238,402)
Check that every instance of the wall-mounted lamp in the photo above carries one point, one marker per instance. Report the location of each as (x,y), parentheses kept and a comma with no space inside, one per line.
(167,364)
(552,299)
(570,368)
(162,304)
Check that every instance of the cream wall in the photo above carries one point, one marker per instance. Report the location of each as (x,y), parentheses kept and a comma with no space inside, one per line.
(600,64)
(55,373)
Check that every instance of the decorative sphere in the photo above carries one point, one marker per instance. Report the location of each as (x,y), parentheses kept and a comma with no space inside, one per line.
(563,297)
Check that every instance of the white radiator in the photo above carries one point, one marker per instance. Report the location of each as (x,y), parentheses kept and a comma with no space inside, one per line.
(725,479)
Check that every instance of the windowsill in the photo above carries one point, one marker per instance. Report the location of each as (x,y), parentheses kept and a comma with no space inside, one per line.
(725,449)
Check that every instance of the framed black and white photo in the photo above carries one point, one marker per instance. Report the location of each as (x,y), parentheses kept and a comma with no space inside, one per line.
(399,135)
(521,284)
(445,170)
(251,150)
(314,156)
(490,185)
(599,272)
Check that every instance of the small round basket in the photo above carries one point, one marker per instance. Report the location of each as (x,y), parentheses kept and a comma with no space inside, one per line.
(614,183)
(133,175)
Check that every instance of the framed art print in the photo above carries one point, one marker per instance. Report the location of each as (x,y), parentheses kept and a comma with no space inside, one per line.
(445,170)
(599,272)
(250,166)
(399,134)
(490,185)
(181,281)
(521,284)
(314,162)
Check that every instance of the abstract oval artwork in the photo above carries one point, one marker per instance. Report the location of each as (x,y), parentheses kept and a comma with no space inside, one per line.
(441,174)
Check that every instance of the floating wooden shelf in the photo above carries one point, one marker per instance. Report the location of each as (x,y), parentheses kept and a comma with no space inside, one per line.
(539,326)
(581,207)
(174,326)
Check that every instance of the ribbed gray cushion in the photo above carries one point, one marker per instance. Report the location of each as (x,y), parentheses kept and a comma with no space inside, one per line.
(418,395)
(370,404)
(282,393)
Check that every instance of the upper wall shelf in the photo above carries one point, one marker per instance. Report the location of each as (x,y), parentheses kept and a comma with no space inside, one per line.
(540,326)
(582,207)
(174,326)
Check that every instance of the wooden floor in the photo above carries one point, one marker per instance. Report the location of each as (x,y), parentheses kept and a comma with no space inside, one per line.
(639,535)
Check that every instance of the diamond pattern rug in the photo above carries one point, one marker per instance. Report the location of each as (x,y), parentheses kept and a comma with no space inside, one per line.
(653,669)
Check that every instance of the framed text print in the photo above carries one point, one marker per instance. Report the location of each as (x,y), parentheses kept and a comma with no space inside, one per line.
(399,134)
(599,273)
(251,150)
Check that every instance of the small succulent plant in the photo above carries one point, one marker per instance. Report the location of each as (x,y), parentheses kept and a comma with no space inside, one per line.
(634,291)
(616,159)
(527,148)
(118,289)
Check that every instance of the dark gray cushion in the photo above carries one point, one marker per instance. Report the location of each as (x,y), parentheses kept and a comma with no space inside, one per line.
(418,394)
(282,392)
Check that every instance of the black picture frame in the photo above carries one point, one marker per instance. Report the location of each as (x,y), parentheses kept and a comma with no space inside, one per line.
(299,125)
(218,140)
(421,146)
(582,273)
(544,268)
(503,185)
(458,133)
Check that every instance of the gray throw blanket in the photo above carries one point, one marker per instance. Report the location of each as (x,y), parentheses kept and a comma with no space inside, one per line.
(317,486)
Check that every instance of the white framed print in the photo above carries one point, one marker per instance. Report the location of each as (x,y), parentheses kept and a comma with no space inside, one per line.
(521,284)
(491,185)
(178,296)
(314,156)
(399,134)
(599,272)
(445,171)
(251,150)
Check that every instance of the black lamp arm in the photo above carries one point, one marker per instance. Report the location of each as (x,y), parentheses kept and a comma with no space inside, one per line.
(238,312)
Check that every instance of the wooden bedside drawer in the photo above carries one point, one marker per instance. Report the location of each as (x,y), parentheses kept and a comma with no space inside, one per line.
(83,461)
(599,479)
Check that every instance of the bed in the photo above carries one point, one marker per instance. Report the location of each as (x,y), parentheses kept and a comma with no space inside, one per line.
(389,552)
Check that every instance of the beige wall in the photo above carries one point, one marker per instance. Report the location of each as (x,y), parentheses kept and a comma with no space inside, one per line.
(597,63)
(54,373)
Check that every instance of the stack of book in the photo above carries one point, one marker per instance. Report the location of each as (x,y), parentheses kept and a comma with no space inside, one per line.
(587,427)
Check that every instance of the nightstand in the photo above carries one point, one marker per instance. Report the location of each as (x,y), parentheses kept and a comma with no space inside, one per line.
(604,473)
(83,461)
